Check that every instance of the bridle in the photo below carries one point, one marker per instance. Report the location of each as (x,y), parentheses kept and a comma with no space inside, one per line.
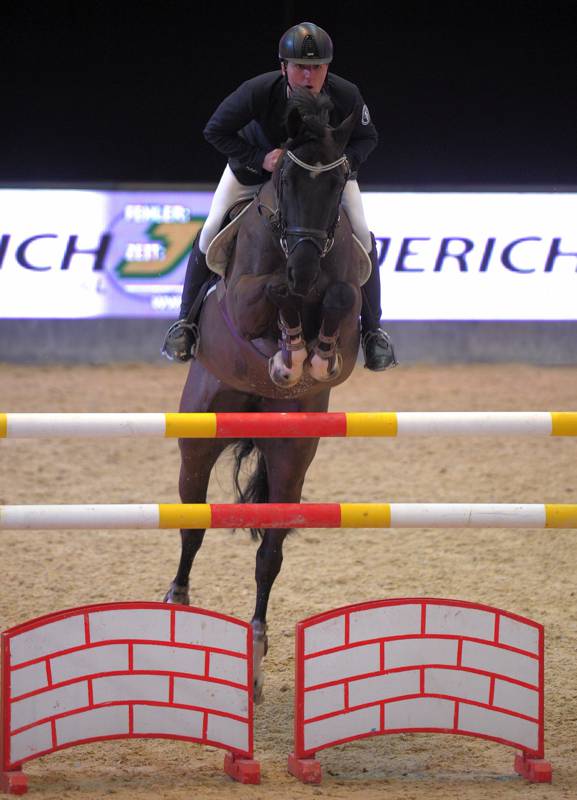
(322,239)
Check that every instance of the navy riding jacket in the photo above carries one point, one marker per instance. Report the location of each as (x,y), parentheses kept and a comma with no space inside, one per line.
(249,123)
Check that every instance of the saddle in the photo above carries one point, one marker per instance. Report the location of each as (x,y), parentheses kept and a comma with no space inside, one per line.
(222,246)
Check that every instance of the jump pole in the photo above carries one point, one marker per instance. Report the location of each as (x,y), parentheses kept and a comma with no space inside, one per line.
(289,515)
(289,425)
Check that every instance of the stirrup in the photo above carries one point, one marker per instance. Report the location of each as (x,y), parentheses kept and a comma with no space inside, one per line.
(181,341)
(378,351)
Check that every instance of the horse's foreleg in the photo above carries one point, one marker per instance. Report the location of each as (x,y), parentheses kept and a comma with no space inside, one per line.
(325,361)
(286,366)
(287,462)
(197,460)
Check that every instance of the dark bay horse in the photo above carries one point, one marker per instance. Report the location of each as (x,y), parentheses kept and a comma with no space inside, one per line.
(294,268)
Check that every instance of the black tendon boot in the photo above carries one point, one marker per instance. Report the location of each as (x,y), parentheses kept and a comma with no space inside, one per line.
(181,341)
(377,345)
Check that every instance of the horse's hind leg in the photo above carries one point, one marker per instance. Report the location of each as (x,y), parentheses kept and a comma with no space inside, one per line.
(269,559)
(198,457)
(287,461)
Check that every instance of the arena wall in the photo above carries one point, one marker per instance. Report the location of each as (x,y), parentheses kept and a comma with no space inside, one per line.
(106,340)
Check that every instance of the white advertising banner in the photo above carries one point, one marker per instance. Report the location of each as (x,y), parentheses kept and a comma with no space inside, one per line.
(443,255)
(74,254)
(476,256)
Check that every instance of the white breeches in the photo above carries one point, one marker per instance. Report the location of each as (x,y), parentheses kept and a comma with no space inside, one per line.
(352,202)
(230,191)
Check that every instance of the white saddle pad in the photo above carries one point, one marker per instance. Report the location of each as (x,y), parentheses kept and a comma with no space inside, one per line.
(221,247)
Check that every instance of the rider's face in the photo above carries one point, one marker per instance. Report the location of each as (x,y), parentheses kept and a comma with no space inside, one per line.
(310,76)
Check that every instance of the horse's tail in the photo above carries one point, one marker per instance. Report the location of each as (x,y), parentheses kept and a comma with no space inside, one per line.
(256,488)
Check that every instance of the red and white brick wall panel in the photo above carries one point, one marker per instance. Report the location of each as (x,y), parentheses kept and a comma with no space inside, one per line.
(126,670)
(418,664)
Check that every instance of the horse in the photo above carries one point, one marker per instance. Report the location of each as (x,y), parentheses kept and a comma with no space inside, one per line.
(294,267)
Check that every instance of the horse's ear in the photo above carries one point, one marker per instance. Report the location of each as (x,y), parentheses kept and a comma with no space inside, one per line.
(342,133)
(293,123)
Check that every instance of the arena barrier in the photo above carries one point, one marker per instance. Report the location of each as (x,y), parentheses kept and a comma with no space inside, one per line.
(289,515)
(126,670)
(292,425)
(419,665)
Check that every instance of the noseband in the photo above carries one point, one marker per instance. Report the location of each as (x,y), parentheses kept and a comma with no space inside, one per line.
(322,239)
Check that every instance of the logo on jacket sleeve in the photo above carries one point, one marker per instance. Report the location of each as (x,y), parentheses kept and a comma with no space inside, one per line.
(365,116)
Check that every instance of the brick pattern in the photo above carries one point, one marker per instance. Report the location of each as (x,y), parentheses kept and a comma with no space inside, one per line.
(125,670)
(419,665)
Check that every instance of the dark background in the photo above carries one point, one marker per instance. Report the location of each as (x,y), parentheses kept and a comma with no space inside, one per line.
(469,94)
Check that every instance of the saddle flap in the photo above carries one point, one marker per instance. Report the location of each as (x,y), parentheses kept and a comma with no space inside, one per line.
(364,261)
(221,247)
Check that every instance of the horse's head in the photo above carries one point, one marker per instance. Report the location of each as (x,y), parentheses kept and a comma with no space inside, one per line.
(309,182)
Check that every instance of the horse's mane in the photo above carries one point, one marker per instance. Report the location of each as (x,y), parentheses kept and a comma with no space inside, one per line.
(313,109)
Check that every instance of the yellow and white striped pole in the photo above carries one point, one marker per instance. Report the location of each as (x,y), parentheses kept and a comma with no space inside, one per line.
(290,425)
(289,515)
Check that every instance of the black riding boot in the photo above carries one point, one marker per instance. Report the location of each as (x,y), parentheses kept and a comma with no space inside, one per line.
(181,341)
(377,345)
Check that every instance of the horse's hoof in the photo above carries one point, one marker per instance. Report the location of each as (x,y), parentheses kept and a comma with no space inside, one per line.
(284,376)
(258,689)
(259,651)
(177,595)
(319,368)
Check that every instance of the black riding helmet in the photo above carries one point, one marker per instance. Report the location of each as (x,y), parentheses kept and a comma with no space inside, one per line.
(306,42)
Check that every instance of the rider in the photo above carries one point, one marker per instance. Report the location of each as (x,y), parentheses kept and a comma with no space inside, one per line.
(248,128)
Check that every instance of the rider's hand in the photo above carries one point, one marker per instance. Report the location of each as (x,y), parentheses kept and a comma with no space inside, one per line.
(270,160)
